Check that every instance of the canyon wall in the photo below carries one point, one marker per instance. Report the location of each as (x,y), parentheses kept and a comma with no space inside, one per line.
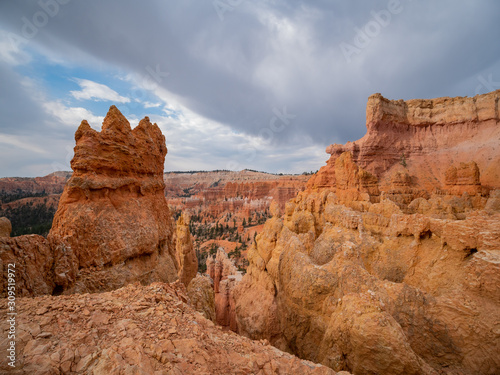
(426,135)
(225,277)
(388,263)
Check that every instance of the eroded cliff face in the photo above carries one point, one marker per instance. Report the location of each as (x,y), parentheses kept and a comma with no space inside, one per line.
(225,277)
(426,135)
(113,224)
(388,268)
(186,256)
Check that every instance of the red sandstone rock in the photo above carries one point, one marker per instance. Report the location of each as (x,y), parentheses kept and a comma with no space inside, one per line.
(225,277)
(147,330)
(202,297)
(428,136)
(5,227)
(186,256)
(389,264)
(32,260)
(113,224)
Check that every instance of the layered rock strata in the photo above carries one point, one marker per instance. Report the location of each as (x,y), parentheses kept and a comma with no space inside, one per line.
(427,136)
(225,277)
(387,265)
(186,256)
(113,224)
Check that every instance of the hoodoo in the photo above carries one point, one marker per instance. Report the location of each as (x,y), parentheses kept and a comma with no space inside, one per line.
(113,224)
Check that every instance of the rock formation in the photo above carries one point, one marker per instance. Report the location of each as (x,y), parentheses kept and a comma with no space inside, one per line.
(113,224)
(427,136)
(389,264)
(5,227)
(225,277)
(147,330)
(51,184)
(202,297)
(33,260)
(186,257)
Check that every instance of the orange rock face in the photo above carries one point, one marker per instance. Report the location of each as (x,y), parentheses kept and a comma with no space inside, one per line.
(389,264)
(113,224)
(5,227)
(225,277)
(32,260)
(186,257)
(428,137)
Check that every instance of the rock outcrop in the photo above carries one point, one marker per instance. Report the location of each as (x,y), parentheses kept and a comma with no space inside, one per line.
(385,264)
(31,259)
(147,330)
(186,256)
(5,227)
(113,224)
(225,277)
(202,296)
(427,136)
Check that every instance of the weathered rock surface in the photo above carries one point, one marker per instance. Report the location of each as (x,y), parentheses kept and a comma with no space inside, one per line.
(202,296)
(427,136)
(135,330)
(5,227)
(225,277)
(186,256)
(31,259)
(51,184)
(382,267)
(113,224)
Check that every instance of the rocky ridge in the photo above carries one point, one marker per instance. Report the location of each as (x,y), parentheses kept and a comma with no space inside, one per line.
(427,136)
(389,265)
(135,330)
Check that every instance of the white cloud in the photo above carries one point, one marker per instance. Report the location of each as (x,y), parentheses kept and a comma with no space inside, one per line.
(21,142)
(97,91)
(71,116)
(10,52)
(151,105)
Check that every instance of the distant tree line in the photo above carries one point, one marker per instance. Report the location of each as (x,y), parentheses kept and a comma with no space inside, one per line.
(30,218)
(7,197)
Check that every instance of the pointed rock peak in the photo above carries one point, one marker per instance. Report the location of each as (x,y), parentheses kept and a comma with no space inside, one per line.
(145,122)
(115,121)
(82,129)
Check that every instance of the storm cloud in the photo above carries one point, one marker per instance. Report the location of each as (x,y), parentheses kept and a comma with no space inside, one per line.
(242,84)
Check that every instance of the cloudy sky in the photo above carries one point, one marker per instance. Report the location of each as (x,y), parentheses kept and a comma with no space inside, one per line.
(233,84)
